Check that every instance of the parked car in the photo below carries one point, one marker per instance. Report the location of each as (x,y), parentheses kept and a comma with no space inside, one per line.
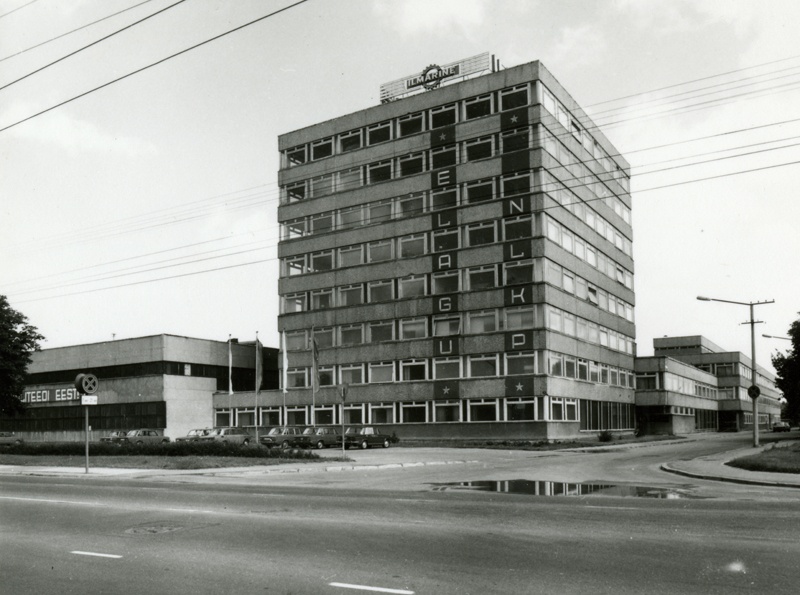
(319,437)
(283,437)
(10,439)
(114,436)
(194,435)
(780,426)
(230,435)
(144,436)
(364,437)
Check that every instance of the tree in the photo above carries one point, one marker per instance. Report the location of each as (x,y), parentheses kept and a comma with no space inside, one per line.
(18,340)
(787,366)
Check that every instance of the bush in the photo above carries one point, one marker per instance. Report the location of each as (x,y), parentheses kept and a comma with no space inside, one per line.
(605,436)
(169,449)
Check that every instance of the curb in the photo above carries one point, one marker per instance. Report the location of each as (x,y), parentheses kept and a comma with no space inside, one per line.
(729,479)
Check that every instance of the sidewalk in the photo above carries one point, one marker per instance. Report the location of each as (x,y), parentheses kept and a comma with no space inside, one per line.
(713,468)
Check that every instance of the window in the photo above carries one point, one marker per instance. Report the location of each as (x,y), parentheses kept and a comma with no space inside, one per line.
(520,363)
(321,149)
(554,319)
(556,364)
(583,369)
(296,228)
(413,412)
(379,172)
(381,372)
(482,365)
(413,328)
(381,211)
(295,340)
(521,409)
(294,303)
(350,141)
(412,204)
(380,331)
(323,337)
(443,116)
(410,165)
(321,300)
(447,411)
(444,199)
(518,272)
(513,97)
(352,217)
(479,191)
(479,234)
(326,376)
(443,157)
(415,369)
(296,378)
(446,240)
(350,295)
(412,246)
(379,133)
(411,124)
(352,334)
(322,261)
(350,256)
(477,107)
(484,277)
(295,265)
(446,367)
(380,251)
(447,282)
(570,369)
(296,156)
(380,291)
(352,374)
(518,228)
(549,101)
(446,326)
(409,287)
(479,148)
(519,184)
(322,223)
(514,140)
(519,318)
(296,192)
(482,321)
(349,179)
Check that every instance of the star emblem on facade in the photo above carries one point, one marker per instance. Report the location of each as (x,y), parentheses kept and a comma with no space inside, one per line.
(519,387)
(446,390)
(442,136)
(514,118)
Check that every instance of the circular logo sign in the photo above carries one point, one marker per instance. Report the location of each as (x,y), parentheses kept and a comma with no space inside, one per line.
(432,76)
(86,384)
(754,392)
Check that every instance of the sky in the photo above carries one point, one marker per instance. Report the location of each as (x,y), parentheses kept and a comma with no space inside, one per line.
(149,205)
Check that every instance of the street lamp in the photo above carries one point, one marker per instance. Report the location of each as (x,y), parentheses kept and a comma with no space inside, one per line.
(753,391)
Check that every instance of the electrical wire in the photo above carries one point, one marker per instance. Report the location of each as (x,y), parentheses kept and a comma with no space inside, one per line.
(18,8)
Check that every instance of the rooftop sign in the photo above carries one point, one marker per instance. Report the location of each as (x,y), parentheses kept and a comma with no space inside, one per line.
(434,75)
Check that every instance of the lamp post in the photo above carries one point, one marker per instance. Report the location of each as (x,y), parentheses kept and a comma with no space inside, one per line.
(753,391)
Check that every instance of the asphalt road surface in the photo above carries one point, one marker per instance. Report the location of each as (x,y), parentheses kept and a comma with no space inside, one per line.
(238,534)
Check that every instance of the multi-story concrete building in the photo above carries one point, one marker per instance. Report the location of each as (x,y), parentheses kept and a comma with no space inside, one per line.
(460,259)
(664,392)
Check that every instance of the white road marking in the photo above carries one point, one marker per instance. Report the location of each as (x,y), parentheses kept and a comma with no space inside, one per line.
(48,501)
(367,588)
(95,554)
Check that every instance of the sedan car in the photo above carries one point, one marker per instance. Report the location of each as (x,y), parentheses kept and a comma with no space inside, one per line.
(194,435)
(229,435)
(10,439)
(364,437)
(319,437)
(114,437)
(284,437)
(144,436)
(781,426)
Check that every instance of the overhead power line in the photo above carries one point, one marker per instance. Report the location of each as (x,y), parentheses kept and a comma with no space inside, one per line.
(38,45)
(156,63)
(18,8)
(94,43)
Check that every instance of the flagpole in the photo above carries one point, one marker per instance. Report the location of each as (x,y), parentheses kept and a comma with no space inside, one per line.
(230,383)
(259,375)
(285,376)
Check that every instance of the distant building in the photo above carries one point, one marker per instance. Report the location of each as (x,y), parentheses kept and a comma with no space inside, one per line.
(462,259)
(691,384)
(162,382)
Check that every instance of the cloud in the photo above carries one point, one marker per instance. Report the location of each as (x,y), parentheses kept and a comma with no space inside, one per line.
(423,17)
(579,46)
(59,129)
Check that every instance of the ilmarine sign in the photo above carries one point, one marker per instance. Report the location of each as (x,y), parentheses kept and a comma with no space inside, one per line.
(434,75)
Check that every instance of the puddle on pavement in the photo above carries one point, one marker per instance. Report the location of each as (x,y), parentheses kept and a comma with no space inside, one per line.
(555,488)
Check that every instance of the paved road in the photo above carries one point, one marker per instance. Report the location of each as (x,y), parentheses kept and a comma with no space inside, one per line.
(403,529)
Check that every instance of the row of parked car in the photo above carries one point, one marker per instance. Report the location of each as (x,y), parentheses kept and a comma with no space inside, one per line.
(279,437)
